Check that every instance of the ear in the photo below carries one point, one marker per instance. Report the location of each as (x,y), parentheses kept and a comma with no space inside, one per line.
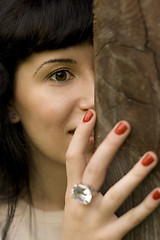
(13,115)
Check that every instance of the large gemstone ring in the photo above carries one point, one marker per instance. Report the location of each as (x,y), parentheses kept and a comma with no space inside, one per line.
(82,193)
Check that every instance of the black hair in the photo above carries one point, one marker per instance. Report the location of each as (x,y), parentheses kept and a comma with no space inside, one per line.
(27,27)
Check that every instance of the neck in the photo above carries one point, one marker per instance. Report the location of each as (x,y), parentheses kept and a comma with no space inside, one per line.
(48,185)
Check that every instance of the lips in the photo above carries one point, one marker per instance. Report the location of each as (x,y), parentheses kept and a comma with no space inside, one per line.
(91,140)
(71,132)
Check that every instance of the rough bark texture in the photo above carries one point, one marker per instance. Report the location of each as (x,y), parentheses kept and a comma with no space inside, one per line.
(127,65)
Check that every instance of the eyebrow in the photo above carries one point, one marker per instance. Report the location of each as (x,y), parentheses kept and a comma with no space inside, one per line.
(62,60)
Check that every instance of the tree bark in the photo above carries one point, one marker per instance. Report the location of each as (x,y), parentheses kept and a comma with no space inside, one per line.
(127,68)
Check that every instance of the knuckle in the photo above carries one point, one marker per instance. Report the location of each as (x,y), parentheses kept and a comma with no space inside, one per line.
(92,169)
(138,177)
(67,195)
(73,154)
(138,174)
(114,194)
(95,170)
(70,155)
(113,141)
(132,219)
(76,213)
(107,235)
(148,208)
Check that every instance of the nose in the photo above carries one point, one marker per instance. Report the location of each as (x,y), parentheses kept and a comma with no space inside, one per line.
(87,100)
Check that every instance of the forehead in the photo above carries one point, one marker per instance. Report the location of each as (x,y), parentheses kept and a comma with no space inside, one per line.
(39,64)
(78,53)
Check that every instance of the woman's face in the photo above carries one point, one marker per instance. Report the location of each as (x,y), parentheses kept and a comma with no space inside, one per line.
(53,90)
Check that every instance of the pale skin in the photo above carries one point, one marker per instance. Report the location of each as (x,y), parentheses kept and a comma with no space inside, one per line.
(62,146)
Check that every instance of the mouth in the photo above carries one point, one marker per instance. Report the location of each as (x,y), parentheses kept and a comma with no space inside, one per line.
(91,140)
(71,132)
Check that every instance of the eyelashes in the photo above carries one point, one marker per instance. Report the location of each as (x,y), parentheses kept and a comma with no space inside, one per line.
(60,75)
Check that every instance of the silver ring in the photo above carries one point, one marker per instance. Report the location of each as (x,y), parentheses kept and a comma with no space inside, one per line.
(82,193)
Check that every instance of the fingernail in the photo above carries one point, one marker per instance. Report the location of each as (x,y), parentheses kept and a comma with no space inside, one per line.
(156,195)
(121,128)
(147,160)
(88,116)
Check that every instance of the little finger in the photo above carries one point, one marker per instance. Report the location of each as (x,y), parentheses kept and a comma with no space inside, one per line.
(136,215)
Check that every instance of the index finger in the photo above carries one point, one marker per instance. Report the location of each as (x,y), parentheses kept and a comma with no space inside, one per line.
(76,153)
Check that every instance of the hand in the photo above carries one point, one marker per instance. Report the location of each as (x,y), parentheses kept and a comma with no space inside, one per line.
(97,221)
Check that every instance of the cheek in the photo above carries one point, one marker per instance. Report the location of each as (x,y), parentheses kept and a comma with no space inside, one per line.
(44,118)
(42,115)
(45,115)
(42,105)
(45,130)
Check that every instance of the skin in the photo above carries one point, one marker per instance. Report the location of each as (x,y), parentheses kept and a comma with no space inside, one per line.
(49,111)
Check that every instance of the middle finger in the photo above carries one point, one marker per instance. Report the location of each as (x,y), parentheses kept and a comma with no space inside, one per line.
(96,169)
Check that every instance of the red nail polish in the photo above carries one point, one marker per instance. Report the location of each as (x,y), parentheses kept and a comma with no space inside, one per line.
(156,195)
(121,128)
(87,116)
(147,160)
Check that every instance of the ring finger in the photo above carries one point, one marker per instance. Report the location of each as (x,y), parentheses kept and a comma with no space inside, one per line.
(117,194)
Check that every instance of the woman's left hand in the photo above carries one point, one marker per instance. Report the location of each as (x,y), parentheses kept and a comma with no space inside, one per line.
(97,221)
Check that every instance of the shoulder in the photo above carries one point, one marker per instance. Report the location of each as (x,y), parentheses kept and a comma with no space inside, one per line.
(19,220)
(15,213)
(3,215)
(3,211)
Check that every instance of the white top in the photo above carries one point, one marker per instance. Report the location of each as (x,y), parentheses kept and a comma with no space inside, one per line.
(33,224)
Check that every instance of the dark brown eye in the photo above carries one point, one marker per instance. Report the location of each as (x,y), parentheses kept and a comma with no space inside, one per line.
(61,76)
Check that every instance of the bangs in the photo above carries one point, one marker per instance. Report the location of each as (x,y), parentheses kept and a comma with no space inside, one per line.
(34,26)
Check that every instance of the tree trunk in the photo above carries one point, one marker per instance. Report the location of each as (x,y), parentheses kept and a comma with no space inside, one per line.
(127,66)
